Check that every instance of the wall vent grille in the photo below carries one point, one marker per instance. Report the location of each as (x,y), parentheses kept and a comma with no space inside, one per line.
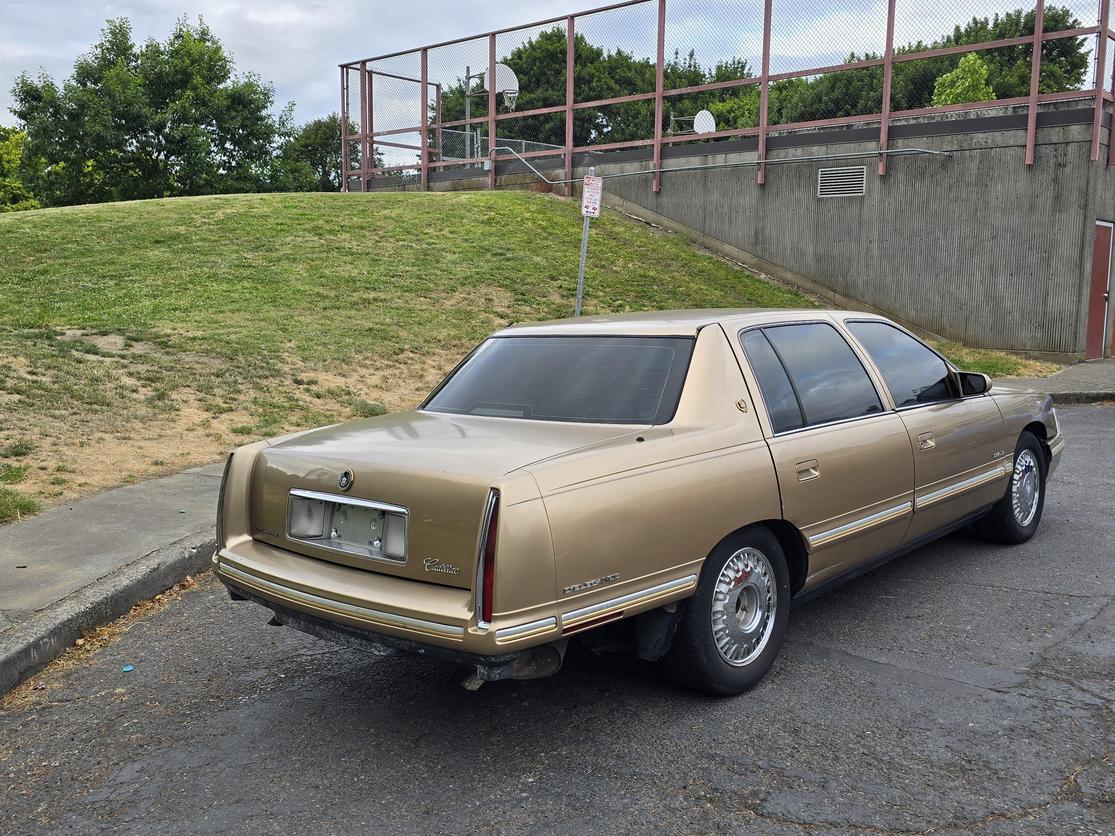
(849,181)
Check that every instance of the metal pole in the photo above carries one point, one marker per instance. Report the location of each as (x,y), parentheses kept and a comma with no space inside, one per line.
(570,59)
(764,94)
(659,86)
(888,75)
(424,154)
(364,130)
(437,116)
(468,113)
(584,258)
(492,93)
(1101,70)
(1035,81)
(344,129)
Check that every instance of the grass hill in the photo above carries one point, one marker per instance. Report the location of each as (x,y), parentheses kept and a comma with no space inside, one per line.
(141,338)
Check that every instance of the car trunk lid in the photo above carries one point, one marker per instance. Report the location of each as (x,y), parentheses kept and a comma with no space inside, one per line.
(438,467)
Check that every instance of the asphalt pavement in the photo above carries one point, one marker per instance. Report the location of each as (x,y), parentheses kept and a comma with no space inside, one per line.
(965,687)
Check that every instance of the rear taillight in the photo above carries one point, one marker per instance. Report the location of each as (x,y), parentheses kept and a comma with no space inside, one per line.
(487,571)
(221,504)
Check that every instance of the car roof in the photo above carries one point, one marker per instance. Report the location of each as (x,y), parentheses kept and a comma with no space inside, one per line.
(666,323)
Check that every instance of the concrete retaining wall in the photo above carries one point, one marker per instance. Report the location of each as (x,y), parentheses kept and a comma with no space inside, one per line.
(976,247)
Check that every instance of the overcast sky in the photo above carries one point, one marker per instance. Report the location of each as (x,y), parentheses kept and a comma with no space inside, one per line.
(298,45)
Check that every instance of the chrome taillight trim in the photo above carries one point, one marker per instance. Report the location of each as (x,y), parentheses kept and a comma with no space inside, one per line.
(481,550)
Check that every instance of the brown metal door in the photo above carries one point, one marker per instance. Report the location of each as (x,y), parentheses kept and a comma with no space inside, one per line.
(1098,299)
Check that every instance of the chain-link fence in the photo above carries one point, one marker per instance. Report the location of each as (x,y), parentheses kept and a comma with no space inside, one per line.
(650,73)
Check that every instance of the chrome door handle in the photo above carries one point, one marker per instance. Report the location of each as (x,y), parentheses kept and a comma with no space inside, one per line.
(926,441)
(808,470)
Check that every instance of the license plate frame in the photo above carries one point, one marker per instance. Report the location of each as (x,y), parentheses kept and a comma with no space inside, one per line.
(350,525)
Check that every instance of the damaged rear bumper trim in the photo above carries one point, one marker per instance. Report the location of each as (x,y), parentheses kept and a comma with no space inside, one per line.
(490,668)
(389,619)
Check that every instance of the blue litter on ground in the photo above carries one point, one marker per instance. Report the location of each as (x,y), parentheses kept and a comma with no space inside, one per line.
(128,668)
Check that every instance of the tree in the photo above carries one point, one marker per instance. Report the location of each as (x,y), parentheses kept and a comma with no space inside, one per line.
(163,119)
(14,194)
(967,83)
(860,91)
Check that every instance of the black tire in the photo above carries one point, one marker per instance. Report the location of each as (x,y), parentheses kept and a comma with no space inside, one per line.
(1002,524)
(695,659)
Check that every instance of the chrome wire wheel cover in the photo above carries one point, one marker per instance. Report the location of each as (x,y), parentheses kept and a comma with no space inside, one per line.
(743,607)
(1025,488)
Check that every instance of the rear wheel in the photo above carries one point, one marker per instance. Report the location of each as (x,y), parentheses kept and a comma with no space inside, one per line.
(733,627)
(1016,516)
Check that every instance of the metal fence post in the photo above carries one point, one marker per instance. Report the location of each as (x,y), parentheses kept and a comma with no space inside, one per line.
(888,75)
(424,133)
(344,129)
(659,86)
(365,140)
(1035,83)
(492,93)
(570,68)
(764,93)
(1111,130)
(1101,70)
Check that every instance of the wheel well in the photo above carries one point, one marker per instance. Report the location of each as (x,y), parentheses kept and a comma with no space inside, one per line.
(793,546)
(1037,428)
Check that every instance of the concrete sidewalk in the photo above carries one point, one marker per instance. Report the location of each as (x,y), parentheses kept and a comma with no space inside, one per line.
(79,566)
(1087,382)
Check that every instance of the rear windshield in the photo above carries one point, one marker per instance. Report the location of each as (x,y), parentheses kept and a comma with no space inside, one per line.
(599,380)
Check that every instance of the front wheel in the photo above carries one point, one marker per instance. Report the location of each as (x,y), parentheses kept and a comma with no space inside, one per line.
(1015,517)
(733,627)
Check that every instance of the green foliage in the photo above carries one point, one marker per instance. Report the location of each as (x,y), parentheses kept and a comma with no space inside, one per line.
(15,196)
(310,159)
(540,66)
(14,505)
(967,83)
(166,118)
(860,91)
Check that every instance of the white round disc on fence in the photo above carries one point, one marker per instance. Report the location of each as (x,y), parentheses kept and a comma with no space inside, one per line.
(704,123)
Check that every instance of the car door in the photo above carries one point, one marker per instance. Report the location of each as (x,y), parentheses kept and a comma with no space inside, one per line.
(960,461)
(841,455)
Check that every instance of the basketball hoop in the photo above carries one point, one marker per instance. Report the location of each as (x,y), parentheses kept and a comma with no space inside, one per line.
(511,96)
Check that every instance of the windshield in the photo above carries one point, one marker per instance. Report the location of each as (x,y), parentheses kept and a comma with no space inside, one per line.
(600,380)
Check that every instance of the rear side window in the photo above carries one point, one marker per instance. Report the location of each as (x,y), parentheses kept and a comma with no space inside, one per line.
(828,379)
(913,373)
(604,380)
(778,394)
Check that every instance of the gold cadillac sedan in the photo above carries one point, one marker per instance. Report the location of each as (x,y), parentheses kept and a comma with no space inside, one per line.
(671,482)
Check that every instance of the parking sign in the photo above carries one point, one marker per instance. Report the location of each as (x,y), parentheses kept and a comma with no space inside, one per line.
(592,193)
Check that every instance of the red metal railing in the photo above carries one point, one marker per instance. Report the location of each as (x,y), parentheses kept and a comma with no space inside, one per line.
(377,126)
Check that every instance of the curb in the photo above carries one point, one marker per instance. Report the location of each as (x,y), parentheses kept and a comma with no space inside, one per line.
(1067,398)
(28,646)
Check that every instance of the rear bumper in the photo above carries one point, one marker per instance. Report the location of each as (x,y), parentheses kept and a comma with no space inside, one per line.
(488,668)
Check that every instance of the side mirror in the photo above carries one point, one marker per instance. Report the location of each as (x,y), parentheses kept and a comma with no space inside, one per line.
(973,383)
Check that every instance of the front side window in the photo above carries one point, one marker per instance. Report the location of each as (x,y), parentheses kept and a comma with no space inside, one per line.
(828,379)
(913,373)
(604,380)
